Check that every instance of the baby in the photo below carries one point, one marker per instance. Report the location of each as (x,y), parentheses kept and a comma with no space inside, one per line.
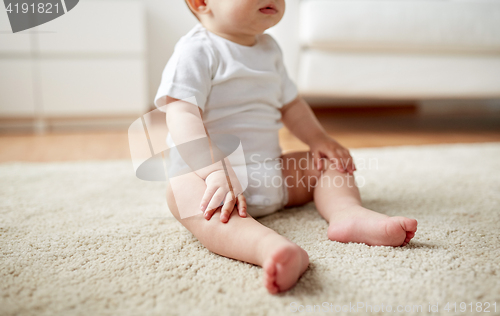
(240,86)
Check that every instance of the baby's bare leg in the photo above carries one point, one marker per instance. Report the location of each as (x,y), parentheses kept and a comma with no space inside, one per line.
(338,201)
(243,239)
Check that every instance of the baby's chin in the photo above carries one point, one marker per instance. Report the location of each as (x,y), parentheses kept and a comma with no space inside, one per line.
(261,26)
(259,23)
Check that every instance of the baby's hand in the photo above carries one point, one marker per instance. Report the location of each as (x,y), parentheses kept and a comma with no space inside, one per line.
(217,192)
(327,147)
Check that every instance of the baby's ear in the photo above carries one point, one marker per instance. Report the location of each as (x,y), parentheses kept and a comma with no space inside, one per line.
(198,6)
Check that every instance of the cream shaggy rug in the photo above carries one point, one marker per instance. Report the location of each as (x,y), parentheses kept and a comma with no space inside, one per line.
(88,238)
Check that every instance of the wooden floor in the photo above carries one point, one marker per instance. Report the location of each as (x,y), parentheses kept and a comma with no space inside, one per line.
(353,129)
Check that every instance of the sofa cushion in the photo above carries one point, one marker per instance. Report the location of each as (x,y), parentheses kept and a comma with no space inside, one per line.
(399,76)
(472,25)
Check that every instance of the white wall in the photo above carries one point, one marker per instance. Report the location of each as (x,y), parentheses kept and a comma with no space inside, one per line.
(167,21)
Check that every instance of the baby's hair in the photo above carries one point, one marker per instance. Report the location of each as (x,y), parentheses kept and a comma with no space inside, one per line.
(186,1)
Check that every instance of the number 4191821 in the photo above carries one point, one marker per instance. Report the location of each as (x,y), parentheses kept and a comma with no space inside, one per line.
(471,307)
(32,8)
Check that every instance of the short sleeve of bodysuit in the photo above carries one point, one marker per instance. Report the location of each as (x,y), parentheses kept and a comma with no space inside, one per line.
(288,88)
(188,72)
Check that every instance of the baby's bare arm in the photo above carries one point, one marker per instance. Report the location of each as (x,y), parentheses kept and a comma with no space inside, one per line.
(301,121)
(185,125)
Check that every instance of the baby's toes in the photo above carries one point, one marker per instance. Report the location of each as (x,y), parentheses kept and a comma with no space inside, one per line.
(270,277)
(272,288)
(410,225)
(410,235)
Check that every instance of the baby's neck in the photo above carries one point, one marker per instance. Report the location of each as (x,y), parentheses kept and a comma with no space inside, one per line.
(242,39)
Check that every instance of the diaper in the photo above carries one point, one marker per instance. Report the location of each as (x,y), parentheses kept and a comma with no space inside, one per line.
(266,192)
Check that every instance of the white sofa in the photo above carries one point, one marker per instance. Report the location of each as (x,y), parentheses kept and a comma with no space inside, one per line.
(407,49)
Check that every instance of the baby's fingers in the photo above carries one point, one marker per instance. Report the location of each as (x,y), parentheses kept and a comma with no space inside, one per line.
(349,162)
(353,167)
(207,196)
(318,164)
(343,160)
(336,160)
(214,203)
(242,205)
(227,208)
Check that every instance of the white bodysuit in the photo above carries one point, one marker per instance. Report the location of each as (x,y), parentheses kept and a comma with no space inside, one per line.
(240,90)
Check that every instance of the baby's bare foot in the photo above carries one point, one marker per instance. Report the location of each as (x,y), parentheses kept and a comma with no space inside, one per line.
(362,225)
(283,267)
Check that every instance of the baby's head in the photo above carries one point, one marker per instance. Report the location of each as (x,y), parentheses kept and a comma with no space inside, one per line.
(238,17)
